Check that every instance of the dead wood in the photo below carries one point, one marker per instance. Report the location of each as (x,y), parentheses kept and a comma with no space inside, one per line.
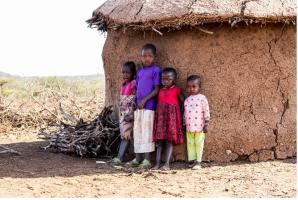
(99,137)
(8,150)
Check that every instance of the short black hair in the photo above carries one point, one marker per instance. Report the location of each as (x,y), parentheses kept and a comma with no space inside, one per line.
(151,47)
(170,70)
(132,67)
(195,78)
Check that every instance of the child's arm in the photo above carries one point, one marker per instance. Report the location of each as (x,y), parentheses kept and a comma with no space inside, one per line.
(150,96)
(181,98)
(206,115)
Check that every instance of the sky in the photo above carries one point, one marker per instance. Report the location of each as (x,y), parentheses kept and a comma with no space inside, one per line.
(49,38)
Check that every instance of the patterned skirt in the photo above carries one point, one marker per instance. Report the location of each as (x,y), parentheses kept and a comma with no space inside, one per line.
(168,124)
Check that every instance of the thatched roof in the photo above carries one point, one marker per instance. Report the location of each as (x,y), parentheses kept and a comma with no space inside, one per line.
(156,14)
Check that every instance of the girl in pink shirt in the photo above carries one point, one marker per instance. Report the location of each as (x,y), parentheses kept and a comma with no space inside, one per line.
(196,116)
(126,108)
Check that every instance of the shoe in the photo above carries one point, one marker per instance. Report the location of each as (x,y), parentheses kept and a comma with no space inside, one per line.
(116,161)
(165,168)
(156,167)
(192,164)
(197,166)
(145,164)
(134,163)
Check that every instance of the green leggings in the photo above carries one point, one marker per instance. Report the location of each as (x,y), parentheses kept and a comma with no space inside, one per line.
(195,145)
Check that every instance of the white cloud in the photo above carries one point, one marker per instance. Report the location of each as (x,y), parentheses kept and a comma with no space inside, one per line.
(49,37)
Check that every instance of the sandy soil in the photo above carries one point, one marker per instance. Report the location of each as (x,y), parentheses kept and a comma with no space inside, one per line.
(37,173)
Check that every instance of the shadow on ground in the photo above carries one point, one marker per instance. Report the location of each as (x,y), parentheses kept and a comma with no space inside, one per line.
(35,162)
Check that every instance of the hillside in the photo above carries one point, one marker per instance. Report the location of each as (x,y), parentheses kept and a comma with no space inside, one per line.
(77,77)
(4,74)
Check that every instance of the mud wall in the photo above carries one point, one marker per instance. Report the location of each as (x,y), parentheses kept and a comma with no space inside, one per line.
(249,78)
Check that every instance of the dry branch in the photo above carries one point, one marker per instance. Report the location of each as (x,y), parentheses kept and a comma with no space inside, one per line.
(160,33)
(100,137)
(69,117)
(205,31)
(8,150)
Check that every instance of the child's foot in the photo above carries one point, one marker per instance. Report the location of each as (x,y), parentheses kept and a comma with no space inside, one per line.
(192,164)
(116,161)
(197,166)
(145,164)
(134,163)
(166,167)
(156,167)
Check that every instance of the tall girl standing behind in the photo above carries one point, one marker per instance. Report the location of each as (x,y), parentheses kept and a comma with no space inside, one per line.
(168,120)
(147,83)
(127,107)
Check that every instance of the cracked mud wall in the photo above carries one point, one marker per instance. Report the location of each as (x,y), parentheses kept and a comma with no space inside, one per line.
(249,78)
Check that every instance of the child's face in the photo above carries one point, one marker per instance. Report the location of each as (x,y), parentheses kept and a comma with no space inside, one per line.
(167,79)
(126,74)
(147,57)
(193,87)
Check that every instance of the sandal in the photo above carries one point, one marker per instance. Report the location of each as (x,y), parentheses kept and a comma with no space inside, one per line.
(197,166)
(134,163)
(145,164)
(165,168)
(116,161)
(192,164)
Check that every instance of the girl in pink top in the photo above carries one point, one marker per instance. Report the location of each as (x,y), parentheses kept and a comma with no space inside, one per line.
(126,108)
(196,116)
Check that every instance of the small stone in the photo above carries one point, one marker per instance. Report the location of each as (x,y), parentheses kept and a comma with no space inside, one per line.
(118,167)
(226,189)
(100,162)
(265,155)
(228,152)
(254,157)
(30,188)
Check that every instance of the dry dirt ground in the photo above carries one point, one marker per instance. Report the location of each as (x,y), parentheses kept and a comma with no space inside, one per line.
(37,173)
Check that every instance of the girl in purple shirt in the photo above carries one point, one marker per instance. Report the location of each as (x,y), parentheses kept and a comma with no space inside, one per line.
(147,83)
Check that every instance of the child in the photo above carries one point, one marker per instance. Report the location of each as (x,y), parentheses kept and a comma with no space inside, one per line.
(148,83)
(126,108)
(197,116)
(167,122)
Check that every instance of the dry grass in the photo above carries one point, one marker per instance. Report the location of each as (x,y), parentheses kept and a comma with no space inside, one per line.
(29,103)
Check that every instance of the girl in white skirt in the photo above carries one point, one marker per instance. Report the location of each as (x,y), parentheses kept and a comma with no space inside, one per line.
(147,83)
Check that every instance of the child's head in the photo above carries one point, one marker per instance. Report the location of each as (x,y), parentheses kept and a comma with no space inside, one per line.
(128,71)
(168,77)
(194,84)
(148,54)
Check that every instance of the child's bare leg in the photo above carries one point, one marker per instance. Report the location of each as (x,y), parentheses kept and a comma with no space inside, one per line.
(123,148)
(139,157)
(158,155)
(147,156)
(169,150)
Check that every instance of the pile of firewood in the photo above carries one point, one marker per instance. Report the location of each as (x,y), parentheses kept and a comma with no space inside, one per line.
(98,138)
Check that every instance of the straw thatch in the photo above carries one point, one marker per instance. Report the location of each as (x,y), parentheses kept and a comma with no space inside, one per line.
(156,14)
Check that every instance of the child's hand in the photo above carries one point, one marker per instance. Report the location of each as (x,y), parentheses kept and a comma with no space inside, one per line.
(127,135)
(205,129)
(128,118)
(184,128)
(142,104)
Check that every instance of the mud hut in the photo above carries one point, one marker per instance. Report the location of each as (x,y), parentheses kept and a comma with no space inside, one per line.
(245,50)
